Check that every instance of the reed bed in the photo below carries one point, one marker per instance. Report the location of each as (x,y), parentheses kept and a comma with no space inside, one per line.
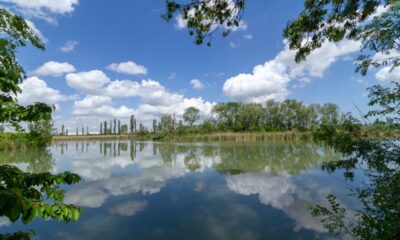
(91,137)
(13,142)
(243,137)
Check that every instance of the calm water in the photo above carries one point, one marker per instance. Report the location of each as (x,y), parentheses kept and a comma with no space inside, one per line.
(146,190)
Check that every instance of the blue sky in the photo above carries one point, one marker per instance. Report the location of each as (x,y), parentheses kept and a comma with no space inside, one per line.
(107,59)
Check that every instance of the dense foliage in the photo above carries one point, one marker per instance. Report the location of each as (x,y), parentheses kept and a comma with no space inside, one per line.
(205,17)
(15,33)
(27,196)
(375,23)
(380,163)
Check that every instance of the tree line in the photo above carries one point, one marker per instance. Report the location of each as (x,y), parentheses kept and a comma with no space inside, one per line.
(231,117)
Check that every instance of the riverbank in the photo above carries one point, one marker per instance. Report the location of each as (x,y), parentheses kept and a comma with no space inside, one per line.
(278,136)
(222,136)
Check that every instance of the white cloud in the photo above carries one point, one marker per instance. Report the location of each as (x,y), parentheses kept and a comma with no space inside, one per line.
(86,197)
(130,208)
(280,192)
(242,26)
(248,36)
(99,106)
(4,222)
(93,101)
(268,81)
(387,74)
(36,90)
(128,67)
(319,60)
(154,98)
(69,46)
(44,9)
(172,76)
(234,45)
(271,79)
(90,82)
(55,69)
(197,84)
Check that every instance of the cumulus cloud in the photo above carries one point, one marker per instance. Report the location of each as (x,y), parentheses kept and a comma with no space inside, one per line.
(197,84)
(90,82)
(281,193)
(69,46)
(55,69)
(100,106)
(268,81)
(36,90)
(128,67)
(271,79)
(128,209)
(387,74)
(86,197)
(155,99)
(44,9)
(234,45)
(248,36)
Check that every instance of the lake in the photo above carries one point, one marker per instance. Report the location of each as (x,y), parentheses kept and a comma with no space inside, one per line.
(151,190)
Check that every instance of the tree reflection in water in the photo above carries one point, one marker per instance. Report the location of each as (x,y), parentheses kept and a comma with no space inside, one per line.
(379,162)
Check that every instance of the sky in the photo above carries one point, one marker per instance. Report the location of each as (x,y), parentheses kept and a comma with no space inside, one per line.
(111,59)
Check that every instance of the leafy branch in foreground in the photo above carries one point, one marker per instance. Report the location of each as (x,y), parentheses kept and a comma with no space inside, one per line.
(15,32)
(375,23)
(17,236)
(379,161)
(205,17)
(332,219)
(28,196)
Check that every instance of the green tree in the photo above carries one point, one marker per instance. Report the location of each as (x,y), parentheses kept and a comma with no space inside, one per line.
(124,129)
(329,114)
(16,33)
(166,123)
(115,126)
(40,133)
(27,195)
(119,127)
(132,124)
(154,126)
(191,115)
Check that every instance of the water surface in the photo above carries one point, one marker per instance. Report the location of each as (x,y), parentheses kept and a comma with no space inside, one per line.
(149,190)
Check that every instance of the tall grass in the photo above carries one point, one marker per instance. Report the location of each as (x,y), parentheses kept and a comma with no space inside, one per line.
(281,136)
(91,137)
(242,137)
(14,141)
